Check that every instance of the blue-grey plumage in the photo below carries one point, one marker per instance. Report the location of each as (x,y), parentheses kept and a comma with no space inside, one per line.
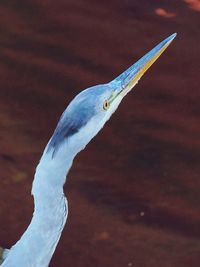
(84,106)
(81,121)
(78,113)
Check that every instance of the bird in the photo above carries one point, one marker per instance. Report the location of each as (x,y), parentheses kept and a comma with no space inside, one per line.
(83,118)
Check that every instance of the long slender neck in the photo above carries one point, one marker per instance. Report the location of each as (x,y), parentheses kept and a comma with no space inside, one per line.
(37,244)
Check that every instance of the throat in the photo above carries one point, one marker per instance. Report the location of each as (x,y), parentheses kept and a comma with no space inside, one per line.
(51,174)
(38,243)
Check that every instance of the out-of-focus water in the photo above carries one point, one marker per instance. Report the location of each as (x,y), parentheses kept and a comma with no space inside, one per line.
(134,192)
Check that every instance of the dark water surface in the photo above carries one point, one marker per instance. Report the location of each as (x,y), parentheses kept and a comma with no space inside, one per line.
(134,193)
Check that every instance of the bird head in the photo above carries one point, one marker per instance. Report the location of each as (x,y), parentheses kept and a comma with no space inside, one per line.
(89,110)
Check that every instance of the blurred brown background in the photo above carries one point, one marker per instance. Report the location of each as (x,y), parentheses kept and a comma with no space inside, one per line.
(134,193)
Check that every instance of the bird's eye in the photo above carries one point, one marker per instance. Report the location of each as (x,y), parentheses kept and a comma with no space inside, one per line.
(106,105)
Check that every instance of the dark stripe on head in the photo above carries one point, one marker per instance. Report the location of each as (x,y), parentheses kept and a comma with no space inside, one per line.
(70,123)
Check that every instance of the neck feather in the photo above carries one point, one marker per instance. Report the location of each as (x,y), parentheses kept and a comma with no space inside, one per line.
(38,243)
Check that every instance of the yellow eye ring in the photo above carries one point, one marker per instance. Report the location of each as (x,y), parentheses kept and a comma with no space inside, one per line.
(106,105)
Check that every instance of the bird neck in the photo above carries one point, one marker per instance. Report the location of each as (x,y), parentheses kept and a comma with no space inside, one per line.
(50,176)
(38,243)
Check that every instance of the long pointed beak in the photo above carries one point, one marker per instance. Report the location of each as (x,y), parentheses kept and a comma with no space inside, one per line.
(132,75)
